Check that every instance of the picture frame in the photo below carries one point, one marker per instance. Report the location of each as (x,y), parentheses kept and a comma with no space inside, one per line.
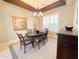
(19,23)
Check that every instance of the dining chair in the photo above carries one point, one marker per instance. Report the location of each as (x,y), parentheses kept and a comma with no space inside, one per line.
(46,34)
(30,38)
(29,30)
(34,30)
(23,41)
(46,30)
(39,39)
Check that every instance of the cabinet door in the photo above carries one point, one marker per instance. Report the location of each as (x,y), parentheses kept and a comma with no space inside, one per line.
(66,53)
(73,53)
(66,50)
(62,52)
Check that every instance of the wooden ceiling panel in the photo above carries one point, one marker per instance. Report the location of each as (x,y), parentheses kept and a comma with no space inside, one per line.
(28,7)
(20,4)
(53,5)
(39,3)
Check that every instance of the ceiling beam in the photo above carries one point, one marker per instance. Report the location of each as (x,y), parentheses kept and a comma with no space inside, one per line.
(21,4)
(53,5)
(28,7)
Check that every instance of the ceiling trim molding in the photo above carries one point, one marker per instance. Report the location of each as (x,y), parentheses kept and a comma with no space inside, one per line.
(21,4)
(54,5)
(28,7)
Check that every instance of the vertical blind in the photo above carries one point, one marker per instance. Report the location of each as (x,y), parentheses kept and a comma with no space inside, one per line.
(51,22)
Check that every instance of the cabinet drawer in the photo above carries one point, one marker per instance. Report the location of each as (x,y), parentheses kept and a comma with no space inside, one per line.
(73,40)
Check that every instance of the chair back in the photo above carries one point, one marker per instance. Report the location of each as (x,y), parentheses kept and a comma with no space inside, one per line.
(29,30)
(34,30)
(21,38)
(39,37)
(45,36)
(46,30)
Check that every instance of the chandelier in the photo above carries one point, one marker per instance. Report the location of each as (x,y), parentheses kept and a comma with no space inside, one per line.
(38,12)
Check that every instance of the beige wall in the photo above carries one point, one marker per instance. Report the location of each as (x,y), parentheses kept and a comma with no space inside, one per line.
(3,31)
(76,16)
(6,24)
(66,15)
(38,22)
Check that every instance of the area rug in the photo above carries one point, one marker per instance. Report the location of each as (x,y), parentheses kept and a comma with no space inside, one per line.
(48,51)
(19,54)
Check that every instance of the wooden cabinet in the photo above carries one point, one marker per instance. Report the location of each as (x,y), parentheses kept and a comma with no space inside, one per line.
(67,45)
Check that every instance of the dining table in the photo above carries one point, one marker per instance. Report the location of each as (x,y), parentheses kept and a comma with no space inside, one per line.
(34,35)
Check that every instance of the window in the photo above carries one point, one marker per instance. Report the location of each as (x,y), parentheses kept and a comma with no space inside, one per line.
(51,22)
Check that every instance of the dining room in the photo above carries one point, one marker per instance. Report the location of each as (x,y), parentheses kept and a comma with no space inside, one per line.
(30,29)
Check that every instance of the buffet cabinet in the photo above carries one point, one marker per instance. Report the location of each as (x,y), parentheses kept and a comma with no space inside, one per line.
(67,45)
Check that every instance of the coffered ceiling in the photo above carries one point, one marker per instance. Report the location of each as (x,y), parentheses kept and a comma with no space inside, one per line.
(35,5)
(39,3)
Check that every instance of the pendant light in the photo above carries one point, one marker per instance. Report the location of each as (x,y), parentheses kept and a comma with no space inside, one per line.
(38,12)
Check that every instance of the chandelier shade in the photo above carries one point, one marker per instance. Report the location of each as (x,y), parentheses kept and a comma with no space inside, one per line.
(38,13)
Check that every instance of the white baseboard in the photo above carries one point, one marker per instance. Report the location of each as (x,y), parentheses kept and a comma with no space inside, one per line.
(9,43)
(13,42)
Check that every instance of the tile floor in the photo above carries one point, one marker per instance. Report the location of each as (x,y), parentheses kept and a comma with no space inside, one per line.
(48,51)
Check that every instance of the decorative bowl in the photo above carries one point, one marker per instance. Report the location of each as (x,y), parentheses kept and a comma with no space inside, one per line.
(68,28)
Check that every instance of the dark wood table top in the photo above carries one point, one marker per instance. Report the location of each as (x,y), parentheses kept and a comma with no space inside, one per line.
(33,34)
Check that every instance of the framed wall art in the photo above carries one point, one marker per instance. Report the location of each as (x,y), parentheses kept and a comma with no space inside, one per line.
(19,23)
